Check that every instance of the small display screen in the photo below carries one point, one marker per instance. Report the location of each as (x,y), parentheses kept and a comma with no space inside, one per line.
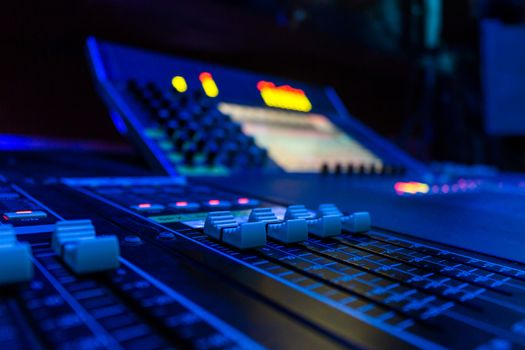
(300,142)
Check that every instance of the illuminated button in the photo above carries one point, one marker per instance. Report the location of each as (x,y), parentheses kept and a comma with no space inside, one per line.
(247,202)
(147,207)
(216,204)
(15,258)
(25,215)
(185,206)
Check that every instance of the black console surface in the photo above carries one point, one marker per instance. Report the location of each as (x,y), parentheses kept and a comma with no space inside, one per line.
(177,286)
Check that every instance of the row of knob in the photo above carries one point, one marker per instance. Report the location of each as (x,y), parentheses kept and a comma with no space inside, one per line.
(156,100)
(353,169)
(75,242)
(294,227)
(197,129)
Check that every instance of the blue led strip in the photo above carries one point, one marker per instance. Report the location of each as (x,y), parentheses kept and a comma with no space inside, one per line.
(96,59)
(122,107)
(406,336)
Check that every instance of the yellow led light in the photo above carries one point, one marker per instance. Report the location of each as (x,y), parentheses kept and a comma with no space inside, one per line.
(179,83)
(284,97)
(210,88)
(208,84)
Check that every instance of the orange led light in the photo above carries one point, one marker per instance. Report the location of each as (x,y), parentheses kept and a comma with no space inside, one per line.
(214,202)
(284,96)
(208,84)
(411,187)
(181,204)
(144,205)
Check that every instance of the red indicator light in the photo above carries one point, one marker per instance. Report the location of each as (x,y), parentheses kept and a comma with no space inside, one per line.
(181,204)
(243,200)
(23,211)
(265,85)
(5,217)
(269,85)
(144,205)
(204,76)
(214,202)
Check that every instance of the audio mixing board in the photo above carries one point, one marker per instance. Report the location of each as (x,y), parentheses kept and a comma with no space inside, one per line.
(271,219)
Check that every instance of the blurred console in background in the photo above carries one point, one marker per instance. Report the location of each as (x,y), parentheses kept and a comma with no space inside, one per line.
(372,52)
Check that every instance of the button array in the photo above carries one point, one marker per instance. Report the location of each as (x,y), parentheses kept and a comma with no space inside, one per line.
(193,131)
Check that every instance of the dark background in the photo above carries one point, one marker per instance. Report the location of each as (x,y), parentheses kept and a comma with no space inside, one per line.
(360,47)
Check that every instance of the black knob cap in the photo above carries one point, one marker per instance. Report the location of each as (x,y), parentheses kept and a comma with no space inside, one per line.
(192,128)
(164,116)
(189,153)
(179,140)
(171,127)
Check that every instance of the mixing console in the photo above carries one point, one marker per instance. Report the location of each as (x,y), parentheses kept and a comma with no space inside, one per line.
(267,252)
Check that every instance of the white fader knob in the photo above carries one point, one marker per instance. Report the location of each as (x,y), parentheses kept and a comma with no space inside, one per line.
(324,226)
(357,222)
(287,231)
(76,243)
(15,258)
(222,225)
